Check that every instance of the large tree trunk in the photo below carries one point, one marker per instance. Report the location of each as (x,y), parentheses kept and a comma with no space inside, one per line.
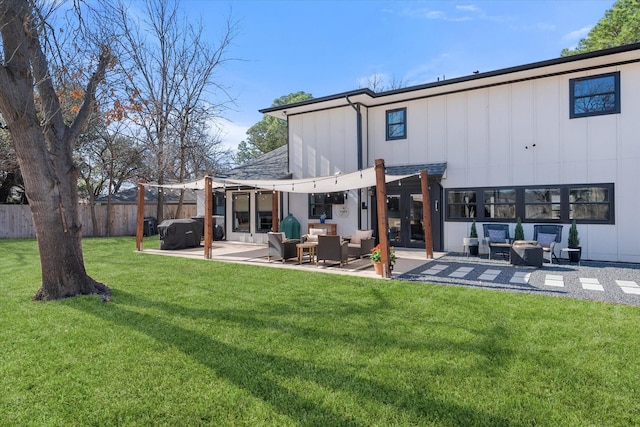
(53,200)
(44,146)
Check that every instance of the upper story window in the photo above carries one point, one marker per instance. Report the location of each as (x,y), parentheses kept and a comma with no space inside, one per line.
(397,124)
(595,95)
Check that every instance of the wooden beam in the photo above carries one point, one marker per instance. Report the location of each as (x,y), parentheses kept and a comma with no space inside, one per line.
(426,213)
(274,212)
(140,217)
(208,217)
(383,227)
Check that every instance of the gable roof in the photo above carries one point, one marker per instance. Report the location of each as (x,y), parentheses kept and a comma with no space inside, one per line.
(271,165)
(563,65)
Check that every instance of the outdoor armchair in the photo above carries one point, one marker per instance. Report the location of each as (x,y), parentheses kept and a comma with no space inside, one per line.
(361,243)
(548,236)
(281,249)
(332,248)
(498,239)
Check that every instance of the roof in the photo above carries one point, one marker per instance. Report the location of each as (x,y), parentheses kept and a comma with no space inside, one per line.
(366,97)
(433,169)
(130,195)
(271,165)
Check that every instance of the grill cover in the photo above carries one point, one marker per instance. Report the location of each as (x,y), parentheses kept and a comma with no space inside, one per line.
(179,233)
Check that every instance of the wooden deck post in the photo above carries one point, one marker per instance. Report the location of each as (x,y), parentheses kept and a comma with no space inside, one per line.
(140,217)
(208,217)
(383,228)
(426,213)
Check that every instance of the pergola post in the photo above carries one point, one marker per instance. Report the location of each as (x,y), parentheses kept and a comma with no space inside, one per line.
(274,211)
(426,213)
(208,217)
(381,194)
(140,217)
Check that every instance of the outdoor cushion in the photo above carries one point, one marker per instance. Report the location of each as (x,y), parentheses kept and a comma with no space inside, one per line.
(497,236)
(545,239)
(314,233)
(361,234)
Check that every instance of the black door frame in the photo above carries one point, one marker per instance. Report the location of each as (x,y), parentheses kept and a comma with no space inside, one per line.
(404,189)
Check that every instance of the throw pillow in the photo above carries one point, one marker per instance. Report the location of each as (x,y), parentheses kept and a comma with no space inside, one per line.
(545,239)
(361,234)
(497,236)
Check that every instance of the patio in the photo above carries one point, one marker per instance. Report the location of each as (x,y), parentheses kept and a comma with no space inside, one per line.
(256,254)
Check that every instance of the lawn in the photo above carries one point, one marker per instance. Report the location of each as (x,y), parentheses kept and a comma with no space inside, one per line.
(194,342)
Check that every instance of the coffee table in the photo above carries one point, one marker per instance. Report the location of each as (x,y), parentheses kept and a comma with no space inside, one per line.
(310,248)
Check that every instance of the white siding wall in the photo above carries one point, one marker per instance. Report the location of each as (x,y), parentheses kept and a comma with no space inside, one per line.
(487,138)
(324,143)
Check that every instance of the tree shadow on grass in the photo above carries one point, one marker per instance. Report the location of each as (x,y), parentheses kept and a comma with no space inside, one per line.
(254,370)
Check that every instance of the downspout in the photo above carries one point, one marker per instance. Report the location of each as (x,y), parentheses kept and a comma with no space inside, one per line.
(359,148)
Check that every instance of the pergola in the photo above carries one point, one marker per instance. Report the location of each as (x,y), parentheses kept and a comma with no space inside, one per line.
(374,176)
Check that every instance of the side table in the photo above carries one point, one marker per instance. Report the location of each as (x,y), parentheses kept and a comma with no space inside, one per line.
(311,249)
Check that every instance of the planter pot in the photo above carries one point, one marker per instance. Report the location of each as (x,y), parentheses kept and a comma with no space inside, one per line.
(377,266)
(471,243)
(574,256)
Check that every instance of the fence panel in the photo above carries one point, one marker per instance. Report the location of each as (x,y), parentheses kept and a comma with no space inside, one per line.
(16,221)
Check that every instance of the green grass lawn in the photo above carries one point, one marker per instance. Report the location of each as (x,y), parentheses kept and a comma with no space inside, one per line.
(194,342)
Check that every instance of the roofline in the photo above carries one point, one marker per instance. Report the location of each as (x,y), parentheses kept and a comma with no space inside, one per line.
(503,71)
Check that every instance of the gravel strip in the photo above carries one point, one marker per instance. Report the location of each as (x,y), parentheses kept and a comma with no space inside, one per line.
(591,280)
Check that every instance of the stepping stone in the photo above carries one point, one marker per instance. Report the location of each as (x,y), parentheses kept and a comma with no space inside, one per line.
(629,287)
(489,275)
(591,284)
(520,277)
(461,272)
(435,270)
(554,280)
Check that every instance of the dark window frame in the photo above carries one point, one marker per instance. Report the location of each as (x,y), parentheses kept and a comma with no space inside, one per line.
(266,215)
(573,98)
(320,202)
(565,216)
(392,125)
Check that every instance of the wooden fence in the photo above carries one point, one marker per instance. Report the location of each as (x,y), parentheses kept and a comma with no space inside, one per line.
(16,221)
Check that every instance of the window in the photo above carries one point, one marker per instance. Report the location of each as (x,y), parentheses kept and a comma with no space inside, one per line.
(264,211)
(500,203)
(240,212)
(461,204)
(542,203)
(218,204)
(595,95)
(397,124)
(320,204)
(587,203)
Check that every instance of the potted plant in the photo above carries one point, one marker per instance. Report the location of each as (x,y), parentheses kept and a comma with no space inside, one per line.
(574,243)
(472,241)
(518,233)
(376,258)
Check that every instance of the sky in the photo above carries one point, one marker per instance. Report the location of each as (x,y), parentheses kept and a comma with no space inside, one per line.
(327,47)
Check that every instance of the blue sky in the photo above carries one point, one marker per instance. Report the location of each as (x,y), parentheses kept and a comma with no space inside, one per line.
(327,47)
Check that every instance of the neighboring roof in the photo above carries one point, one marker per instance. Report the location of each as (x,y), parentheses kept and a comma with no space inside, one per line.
(271,165)
(570,64)
(435,170)
(130,195)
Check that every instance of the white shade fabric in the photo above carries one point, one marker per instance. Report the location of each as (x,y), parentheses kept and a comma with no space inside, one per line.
(323,184)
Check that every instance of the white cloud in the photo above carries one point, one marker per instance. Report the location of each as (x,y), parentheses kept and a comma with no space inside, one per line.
(578,34)
(231,133)
(468,8)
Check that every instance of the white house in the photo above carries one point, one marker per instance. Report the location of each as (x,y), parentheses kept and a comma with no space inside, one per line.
(547,142)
